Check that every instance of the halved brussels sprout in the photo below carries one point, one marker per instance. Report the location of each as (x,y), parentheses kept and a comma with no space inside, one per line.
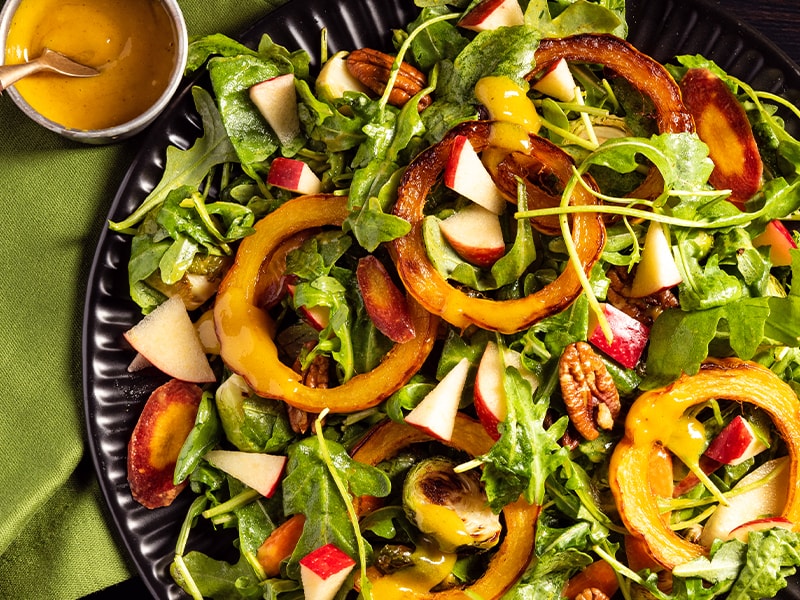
(450,507)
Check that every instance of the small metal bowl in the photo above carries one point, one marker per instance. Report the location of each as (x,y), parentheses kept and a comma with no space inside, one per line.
(117,132)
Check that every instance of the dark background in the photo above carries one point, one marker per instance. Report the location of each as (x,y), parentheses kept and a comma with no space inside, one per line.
(778,20)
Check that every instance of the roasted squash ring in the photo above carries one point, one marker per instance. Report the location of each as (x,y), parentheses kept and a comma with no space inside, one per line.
(515,551)
(245,330)
(649,423)
(647,75)
(455,306)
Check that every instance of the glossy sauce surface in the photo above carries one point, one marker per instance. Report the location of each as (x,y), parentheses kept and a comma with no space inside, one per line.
(131,42)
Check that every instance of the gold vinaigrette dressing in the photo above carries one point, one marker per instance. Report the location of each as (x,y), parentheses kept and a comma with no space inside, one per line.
(131,42)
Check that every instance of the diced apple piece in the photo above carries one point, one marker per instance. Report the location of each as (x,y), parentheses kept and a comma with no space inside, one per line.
(335,79)
(207,333)
(475,234)
(736,443)
(723,125)
(276,100)
(762,501)
(323,572)
(386,305)
(489,395)
(706,464)
(557,82)
(656,270)
(465,173)
(780,242)
(491,14)
(436,413)
(262,472)
(167,338)
(316,316)
(293,175)
(156,441)
(138,363)
(742,532)
(629,336)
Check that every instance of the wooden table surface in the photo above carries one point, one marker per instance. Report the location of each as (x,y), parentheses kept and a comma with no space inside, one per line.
(778,20)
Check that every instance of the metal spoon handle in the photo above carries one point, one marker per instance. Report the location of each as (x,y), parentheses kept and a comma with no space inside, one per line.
(10,74)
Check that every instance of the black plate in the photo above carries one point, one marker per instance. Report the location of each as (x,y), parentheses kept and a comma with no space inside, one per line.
(113,397)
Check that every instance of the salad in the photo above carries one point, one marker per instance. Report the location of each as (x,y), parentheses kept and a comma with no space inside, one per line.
(504,311)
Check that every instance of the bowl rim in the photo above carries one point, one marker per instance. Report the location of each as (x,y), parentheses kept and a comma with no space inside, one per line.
(116,132)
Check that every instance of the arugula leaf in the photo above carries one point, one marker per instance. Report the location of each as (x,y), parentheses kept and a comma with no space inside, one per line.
(771,557)
(527,452)
(749,322)
(188,167)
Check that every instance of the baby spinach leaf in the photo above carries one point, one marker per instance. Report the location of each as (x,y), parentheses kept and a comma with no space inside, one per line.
(216,44)
(438,41)
(505,51)
(308,488)
(205,434)
(232,77)
(219,579)
(580,16)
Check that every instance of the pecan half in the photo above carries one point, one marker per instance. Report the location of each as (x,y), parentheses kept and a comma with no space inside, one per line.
(592,594)
(374,68)
(589,392)
(316,375)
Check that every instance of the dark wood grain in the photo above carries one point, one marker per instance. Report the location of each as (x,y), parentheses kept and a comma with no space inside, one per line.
(778,20)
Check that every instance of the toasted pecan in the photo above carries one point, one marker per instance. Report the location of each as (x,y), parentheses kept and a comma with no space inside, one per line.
(374,69)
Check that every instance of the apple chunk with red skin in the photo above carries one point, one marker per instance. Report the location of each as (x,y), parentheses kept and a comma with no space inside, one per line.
(276,100)
(316,316)
(629,336)
(723,125)
(491,14)
(489,396)
(742,532)
(386,305)
(557,82)
(764,496)
(475,234)
(323,571)
(262,472)
(736,443)
(167,338)
(293,175)
(780,242)
(335,79)
(465,174)
(436,412)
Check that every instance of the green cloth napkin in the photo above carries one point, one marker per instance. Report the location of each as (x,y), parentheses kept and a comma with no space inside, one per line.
(56,541)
